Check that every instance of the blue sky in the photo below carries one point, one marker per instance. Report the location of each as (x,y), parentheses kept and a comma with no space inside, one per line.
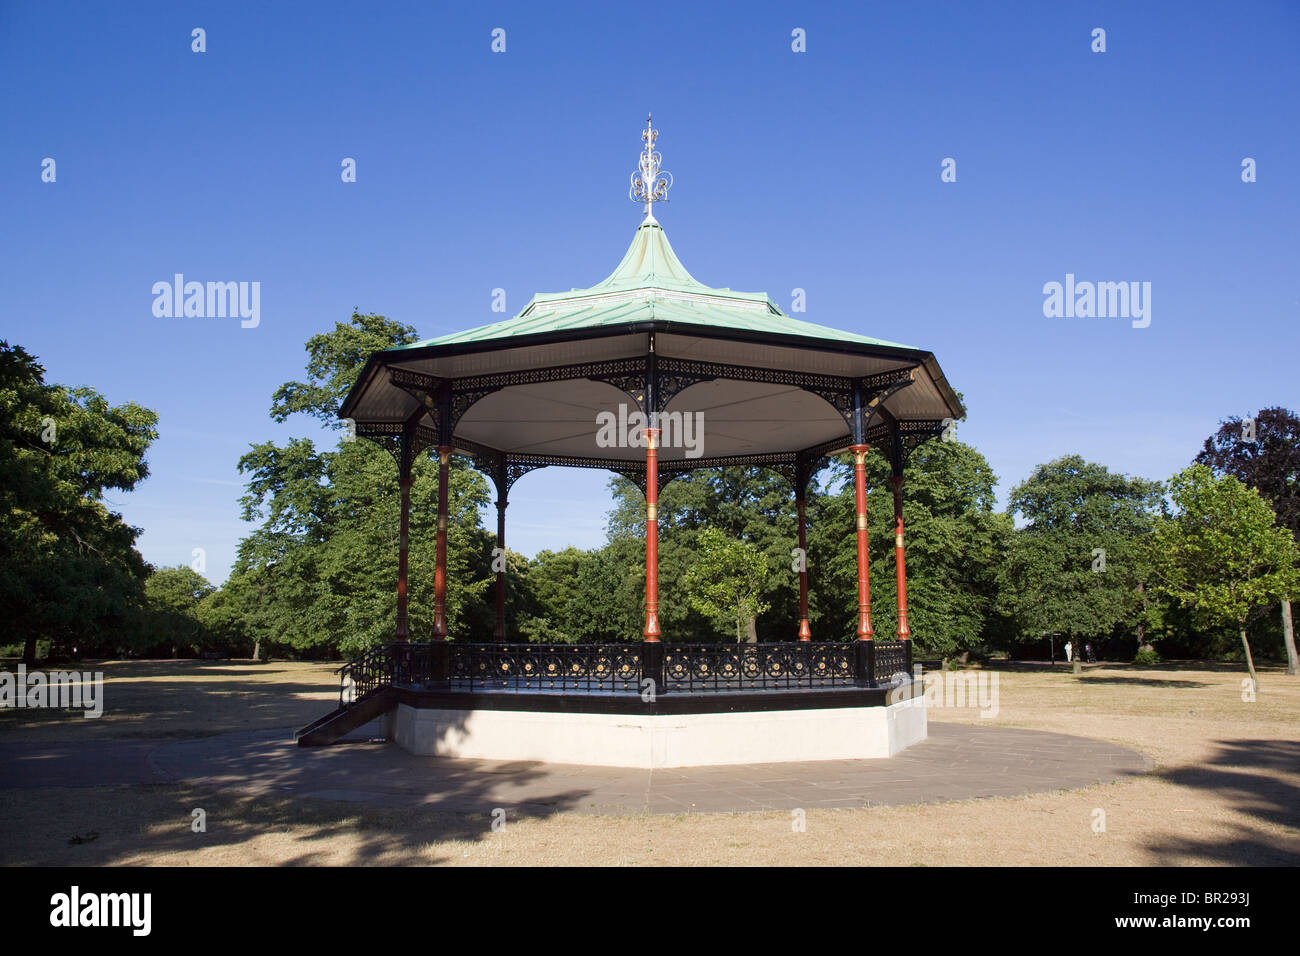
(817,170)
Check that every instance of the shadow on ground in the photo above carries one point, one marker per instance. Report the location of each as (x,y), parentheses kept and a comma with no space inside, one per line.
(1261,778)
(1142,682)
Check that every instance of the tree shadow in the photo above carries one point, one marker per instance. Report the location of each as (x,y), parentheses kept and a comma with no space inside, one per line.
(1142,681)
(353,803)
(1252,774)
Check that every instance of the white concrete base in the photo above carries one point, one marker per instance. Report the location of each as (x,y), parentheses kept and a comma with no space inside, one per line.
(661,740)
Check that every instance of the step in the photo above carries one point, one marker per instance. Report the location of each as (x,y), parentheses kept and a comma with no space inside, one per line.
(341,721)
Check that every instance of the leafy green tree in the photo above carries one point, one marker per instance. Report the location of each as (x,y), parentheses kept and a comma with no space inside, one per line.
(321,569)
(1077,567)
(608,600)
(174,596)
(726,582)
(752,504)
(1223,553)
(1264,453)
(69,570)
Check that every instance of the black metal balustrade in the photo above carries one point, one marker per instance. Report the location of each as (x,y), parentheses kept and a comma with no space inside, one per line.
(719,667)
(625,668)
(589,668)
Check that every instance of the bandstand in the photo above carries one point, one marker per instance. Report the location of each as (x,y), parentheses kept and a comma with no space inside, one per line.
(697,377)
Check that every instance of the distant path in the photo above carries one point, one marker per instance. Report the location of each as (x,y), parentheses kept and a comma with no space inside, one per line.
(956,762)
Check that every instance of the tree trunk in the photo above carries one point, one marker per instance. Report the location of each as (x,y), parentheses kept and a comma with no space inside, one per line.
(751,632)
(257,650)
(29,651)
(1250,663)
(1288,638)
(1142,619)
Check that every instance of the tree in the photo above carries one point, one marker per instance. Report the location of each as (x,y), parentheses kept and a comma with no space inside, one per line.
(1223,553)
(174,596)
(1077,568)
(726,582)
(321,570)
(552,582)
(752,504)
(69,569)
(1264,453)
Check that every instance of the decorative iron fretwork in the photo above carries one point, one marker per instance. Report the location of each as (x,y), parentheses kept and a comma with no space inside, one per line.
(876,391)
(631,383)
(607,668)
(913,434)
(693,369)
(724,667)
(461,401)
(892,659)
(422,387)
(673,381)
(620,668)
(674,375)
(783,463)
(553,373)
(388,436)
(516,470)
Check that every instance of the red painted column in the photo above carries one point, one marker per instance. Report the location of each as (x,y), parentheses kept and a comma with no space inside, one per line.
(652,535)
(440,571)
(865,633)
(805,632)
(403,542)
(500,633)
(900,570)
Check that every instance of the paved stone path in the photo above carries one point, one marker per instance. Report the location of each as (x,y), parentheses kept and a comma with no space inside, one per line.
(956,762)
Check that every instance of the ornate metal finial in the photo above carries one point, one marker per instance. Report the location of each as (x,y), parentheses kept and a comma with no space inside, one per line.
(649,184)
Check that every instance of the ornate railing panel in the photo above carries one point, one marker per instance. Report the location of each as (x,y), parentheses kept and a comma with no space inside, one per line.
(891,658)
(561,667)
(624,668)
(721,667)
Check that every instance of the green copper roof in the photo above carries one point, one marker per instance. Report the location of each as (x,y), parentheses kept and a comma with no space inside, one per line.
(649,284)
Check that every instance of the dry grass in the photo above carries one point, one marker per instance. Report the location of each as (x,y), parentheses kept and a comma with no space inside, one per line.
(144,699)
(1226,789)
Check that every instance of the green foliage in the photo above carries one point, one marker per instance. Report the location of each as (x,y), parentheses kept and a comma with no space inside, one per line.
(320,572)
(1223,553)
(1268,462)
(335,361)
(172,598)
(1079,567)
(69,570)
(726,581)
(753,505)
(1146,655)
